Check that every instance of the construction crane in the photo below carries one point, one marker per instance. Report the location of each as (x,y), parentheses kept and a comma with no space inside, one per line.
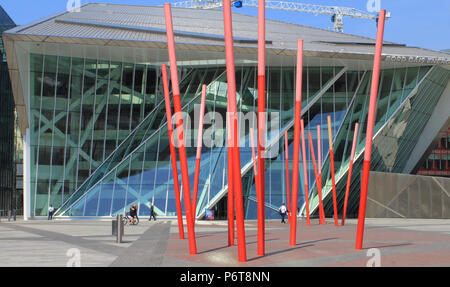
(337,13)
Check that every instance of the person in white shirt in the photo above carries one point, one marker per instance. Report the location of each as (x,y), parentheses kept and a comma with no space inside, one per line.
(283,211)
(51,210)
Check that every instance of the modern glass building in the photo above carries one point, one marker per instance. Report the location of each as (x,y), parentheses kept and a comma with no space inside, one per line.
(7,120)
(89,96)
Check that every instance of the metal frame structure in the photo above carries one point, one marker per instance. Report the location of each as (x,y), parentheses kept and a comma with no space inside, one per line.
(337,12)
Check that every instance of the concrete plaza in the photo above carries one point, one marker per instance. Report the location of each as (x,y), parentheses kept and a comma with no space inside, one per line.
(399,242)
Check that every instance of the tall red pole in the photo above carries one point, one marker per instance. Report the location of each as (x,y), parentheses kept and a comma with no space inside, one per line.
(199,149)
(255,168)
(179,126)
(319,163)
(286,151)
(349,178)
(316,174)
(305,173)
(333,182)
(261,122)
(298,113)
(232,110)
(369,130)
(230,192)
(173,155)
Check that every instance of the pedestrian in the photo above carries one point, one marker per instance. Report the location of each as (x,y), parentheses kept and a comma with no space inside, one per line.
(283,211)
(152,213)
(51,210)
(137,217)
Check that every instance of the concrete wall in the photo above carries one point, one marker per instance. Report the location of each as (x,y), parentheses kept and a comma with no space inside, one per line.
(408,196)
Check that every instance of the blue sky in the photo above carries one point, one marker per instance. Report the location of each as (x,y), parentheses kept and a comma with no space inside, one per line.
(417,23)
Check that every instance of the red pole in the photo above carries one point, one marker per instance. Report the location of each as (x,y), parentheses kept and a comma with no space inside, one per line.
(319,161)
(286,151)
(255,169)
(173,155)
(333,182)
(261,122)
(369,130)
(230,189)
(230,193)
(199,149)
(298,112)
(305,174)
(316,174)
(232,109)
(179,126)
(352,156)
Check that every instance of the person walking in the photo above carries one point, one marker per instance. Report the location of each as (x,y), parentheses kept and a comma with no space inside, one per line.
(136,208)
(152,213)
(51,210)
(283,211)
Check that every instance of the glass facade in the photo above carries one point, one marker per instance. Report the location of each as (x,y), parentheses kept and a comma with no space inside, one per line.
(81,110)
(99,139)
(402,113)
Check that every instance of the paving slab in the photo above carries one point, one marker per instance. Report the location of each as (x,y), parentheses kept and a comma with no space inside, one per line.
(399,242)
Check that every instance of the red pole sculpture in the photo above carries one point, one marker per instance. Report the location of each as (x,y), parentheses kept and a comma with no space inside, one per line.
(298,113)
(316,174)
(319,161)
(179,127)
(369,130)
(173,155)
(333,182)
(352,156)
(305,174)
(232,110)
(230,194)
(261,122)
(199,149)
(286,151)
(255,169)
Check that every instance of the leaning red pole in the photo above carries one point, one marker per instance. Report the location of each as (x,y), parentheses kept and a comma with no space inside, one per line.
(298,113)
(369,130)
(333,182)
(319,164)
(199,149)
(173,155)
(261,122)
(230,192)
(230,182)
(179,127)
(232,110)
(255,168)
(350,168)
(316,174)
(286,151)
(305,174)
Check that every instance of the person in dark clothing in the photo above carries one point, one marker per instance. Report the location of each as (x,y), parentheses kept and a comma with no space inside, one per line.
(152,213)
(133,214)
(137,217)
(283,211)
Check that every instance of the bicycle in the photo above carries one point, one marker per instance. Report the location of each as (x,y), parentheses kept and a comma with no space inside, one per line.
(127,220)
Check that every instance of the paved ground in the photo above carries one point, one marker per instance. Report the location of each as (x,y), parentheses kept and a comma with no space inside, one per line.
(399,242)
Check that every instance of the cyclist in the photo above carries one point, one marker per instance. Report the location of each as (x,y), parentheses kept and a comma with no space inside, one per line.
(133,214)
